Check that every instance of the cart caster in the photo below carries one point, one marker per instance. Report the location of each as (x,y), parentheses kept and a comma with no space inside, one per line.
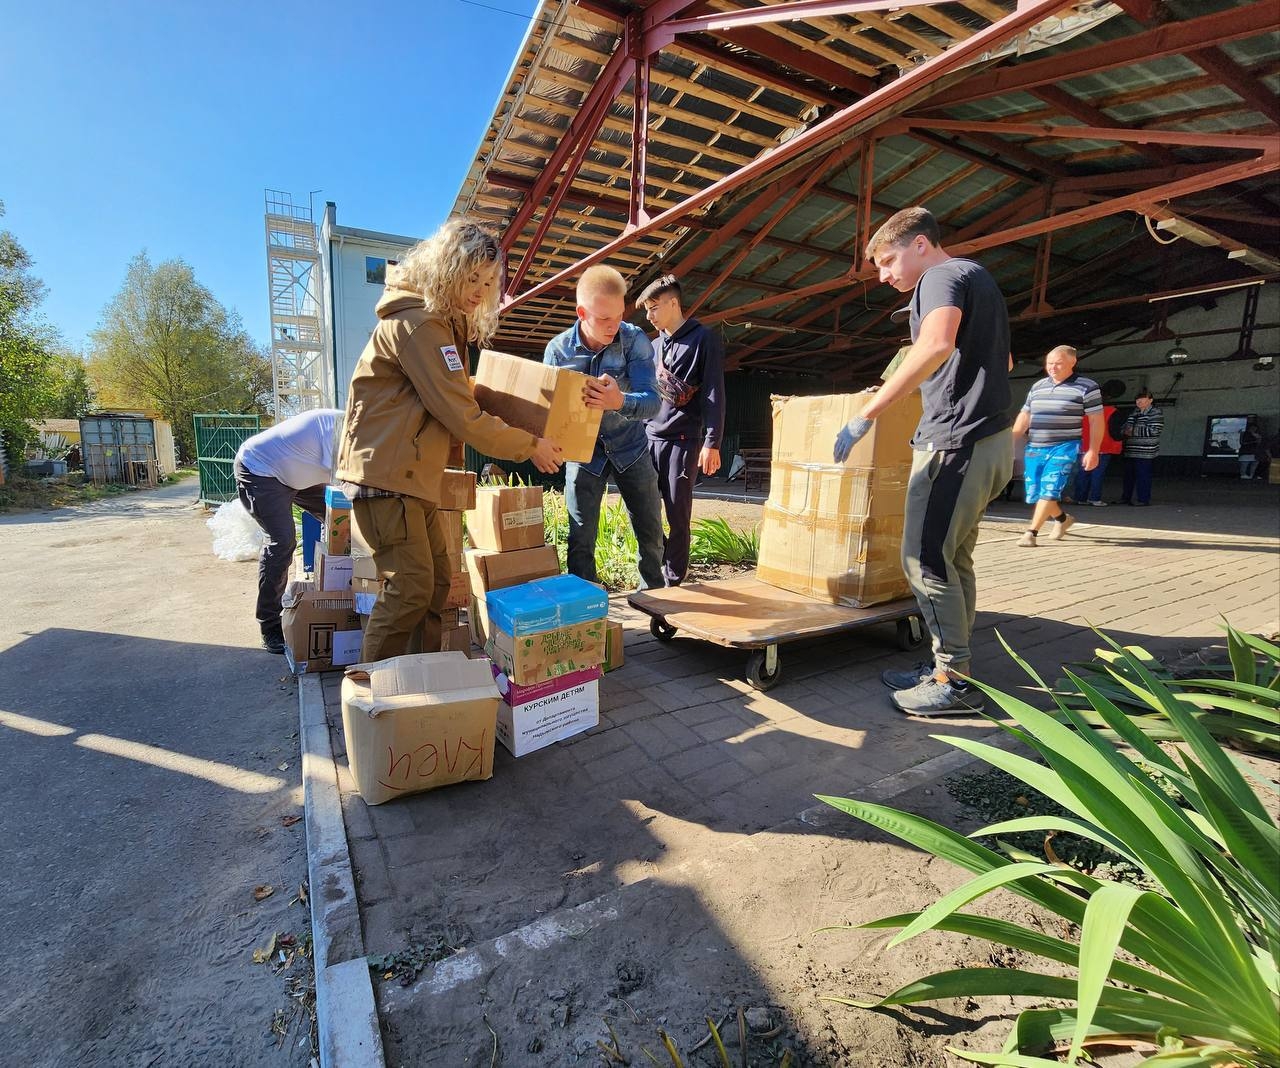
(661,629)
(910,633)
(758,674)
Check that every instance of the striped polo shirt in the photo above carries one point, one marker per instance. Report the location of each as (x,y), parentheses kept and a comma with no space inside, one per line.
(1057,408)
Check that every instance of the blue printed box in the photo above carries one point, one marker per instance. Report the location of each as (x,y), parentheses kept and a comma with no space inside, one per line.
(546,604)
(335,498)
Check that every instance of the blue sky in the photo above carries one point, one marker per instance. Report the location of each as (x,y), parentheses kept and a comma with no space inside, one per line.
(157,126)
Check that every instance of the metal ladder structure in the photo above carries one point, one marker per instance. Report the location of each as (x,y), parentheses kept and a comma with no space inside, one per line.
(298,371)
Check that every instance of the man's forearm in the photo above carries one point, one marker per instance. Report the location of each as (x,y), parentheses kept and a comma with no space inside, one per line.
(918,365)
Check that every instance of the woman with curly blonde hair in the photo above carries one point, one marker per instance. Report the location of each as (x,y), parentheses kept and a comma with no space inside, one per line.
(410,399)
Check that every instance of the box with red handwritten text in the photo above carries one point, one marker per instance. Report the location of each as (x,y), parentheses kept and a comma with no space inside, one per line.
(415,723)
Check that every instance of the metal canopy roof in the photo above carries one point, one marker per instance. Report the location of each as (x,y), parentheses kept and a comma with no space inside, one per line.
(1090,154)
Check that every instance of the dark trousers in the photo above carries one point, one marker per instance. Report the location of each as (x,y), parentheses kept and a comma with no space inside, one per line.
(1089,483)
(271,502)
(677,464)
(1137,477)
(583,495)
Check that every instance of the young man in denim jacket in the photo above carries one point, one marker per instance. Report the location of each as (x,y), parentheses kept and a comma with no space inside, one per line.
(619,358)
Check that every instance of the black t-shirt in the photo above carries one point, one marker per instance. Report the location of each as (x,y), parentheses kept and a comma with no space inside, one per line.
(967,398)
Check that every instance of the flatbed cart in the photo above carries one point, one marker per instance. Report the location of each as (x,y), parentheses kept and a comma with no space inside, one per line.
(745,613)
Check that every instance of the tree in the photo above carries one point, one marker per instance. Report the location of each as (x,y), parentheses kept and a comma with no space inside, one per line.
(165,342)
(26,346)
(70,393)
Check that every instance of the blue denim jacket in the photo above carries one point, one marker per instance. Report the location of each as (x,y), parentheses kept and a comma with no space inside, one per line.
(629,359)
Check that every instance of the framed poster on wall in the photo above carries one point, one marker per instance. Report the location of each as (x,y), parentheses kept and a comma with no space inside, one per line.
(1222,436)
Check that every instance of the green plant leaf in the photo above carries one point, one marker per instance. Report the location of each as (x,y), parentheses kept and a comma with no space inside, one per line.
(1104,921)
(1056,823)
(1243,664)
(1262,694)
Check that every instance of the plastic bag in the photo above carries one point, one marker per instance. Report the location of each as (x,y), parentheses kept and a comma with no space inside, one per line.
(235,534)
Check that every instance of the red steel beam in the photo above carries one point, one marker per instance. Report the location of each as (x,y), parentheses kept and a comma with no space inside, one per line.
(786,12)
(1028,14)
(1248,87)
(815,176)
(1244,142)
(723,59)
(639,142)
(577,196)
(1174,38)
(586,124)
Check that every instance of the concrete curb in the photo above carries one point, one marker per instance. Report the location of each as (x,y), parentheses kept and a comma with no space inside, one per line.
(346,1015)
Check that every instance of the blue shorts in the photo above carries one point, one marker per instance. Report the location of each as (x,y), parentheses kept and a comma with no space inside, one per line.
(1048,468)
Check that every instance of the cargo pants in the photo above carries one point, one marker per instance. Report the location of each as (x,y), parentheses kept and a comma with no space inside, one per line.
(948,492)
(409,551)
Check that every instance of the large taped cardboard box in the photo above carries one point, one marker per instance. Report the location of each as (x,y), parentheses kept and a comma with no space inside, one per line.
(506,518)
(321,628)
(488,570)
(415,723)
(533,717)
(834,531)
(546,401)
(366,584)
(534,658)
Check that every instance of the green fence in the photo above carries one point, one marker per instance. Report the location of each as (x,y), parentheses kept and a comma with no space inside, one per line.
(218,436)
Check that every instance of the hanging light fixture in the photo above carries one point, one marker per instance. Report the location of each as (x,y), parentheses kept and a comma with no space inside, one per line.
(1178,354)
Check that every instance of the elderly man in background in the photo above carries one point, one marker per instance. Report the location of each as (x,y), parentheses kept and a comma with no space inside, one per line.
(1052,418)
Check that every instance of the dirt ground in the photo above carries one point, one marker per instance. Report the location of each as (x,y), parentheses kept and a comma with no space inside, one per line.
(149,755)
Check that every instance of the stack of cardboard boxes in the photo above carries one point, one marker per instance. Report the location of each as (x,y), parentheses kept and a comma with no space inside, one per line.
(834,531)
(318,617)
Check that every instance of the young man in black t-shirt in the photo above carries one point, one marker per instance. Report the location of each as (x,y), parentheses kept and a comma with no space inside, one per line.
(960,359)
(684,437)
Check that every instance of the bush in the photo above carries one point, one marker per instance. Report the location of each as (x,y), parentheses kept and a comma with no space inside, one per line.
(1189,964)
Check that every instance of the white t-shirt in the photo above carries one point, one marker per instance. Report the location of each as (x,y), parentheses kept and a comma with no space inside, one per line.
(297,452)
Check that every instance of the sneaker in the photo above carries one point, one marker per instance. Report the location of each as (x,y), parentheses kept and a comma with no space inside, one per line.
(933,698)
(273,643)
(904,680)
(1061,527)
(1028,540)
(1142,504)
(1098,504)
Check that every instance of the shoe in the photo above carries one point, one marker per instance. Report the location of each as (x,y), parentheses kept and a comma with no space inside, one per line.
(1142,504)
(1098,504)
(1130,503)
(1028,540)
(1061,527)
(904,680)
(273,643)
(933,698)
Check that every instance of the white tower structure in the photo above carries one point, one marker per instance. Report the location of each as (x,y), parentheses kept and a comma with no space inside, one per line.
(300,374)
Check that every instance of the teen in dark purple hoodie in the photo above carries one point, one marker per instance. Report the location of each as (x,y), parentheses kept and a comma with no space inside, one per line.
(684,437)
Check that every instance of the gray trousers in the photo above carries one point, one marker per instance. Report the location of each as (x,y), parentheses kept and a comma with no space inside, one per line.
(948,492)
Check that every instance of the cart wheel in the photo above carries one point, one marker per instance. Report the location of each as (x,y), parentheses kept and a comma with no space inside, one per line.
(910,633)
(661,629)
(756,673)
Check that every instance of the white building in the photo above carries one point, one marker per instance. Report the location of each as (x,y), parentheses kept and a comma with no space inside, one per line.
(353,266)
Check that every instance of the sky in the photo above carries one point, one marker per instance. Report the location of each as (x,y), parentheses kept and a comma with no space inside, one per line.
(154,126)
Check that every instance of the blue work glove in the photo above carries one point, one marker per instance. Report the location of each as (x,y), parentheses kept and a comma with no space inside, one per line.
(854,431)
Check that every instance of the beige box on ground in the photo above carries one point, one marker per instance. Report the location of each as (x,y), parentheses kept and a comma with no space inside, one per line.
(321,628)
(506,518)
(614,657)
(532,658)
(546,401)
(834,531)
(414,723)
(489,570)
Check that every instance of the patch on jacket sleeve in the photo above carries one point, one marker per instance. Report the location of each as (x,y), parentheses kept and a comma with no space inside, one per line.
(451,358)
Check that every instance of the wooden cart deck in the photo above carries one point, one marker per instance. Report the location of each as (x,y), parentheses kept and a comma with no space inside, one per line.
(745,613)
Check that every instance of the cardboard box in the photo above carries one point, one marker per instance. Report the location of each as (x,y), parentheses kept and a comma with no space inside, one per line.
(451,527)
(455,637)
(321,628)
(457,493)
(506,518)
(534,658)
(335,535)
(546,604)
(333,573)
(415,723)
(546,401)
(834,531)
(488,570)
(614,657)
(367,583)
(533,717)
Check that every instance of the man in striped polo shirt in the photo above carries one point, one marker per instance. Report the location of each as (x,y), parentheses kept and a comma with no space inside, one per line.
(1053,417)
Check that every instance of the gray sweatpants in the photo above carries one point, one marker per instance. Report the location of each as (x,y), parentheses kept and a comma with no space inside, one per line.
(947,494)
